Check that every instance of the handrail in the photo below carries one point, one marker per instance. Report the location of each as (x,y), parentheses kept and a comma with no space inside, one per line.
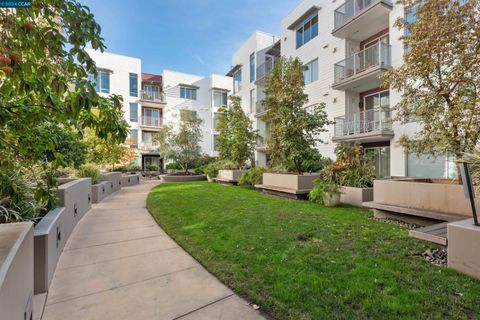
(363,122)
(350,9)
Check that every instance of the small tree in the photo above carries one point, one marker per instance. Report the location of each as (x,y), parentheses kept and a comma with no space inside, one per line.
(236,139)
(294,130)
(182,145)
(108,152)
(440,78)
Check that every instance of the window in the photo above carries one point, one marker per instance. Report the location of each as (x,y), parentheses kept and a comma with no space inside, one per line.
(216,117)
(310,72)
(151,92)
(133,112)
(133,85)
(215,142)
(102,82)
(381,160)
(188,93)
(252,100)
(187,114)
(252,67)
(237,81)
(219,98)
(307,30)
(133,137)
(151,117)
(147,137)
(427,166)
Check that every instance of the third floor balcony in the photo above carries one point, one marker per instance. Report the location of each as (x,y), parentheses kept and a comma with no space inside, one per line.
(359,19)
(152,96)
(365,126)
(152,122)
(361,71)
(264,69)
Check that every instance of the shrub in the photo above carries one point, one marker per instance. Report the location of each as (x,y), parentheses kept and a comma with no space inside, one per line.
(152,167)
(251,177)
(173,166)
(323,191)
(133,167)
(212,169)
(313,163)
(89,170)
(65,172)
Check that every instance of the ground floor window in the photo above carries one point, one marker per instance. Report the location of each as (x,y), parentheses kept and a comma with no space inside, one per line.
(148,161)
(427,166)
(381,160)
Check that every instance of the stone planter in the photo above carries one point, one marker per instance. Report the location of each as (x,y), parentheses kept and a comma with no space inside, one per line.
(356,196)
(178,178)
(288,185)
(464,247)
(76,197)
(115,179)
(130,180)
(49,241)
(419,202)
(100,191)
(229,176)
(333,200)
(16,270)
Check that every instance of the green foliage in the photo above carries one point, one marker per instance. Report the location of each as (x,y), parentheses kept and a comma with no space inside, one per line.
(251,177)
(173,166)
(181,146)
(314,162)
(212,169)
(473,160)
(294,130)
(236,140)
(89,170)
(132,167)
(152,167)
(439,78)
(323,191)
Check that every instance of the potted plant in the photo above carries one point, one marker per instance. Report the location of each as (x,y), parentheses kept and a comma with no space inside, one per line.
(327,193)
(294,130)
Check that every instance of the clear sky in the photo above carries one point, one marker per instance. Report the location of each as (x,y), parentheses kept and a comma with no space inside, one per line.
(194,36)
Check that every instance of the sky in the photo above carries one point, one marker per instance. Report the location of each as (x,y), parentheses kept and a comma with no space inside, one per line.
(193,36)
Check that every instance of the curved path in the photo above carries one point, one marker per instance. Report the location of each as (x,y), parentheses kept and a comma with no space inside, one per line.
(119,264)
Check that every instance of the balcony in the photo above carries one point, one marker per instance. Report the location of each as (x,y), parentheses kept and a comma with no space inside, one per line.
(364,126)
(361,72)
(155,97)
(149,146)
(359,19)
(263,70)
(261,144)
(259,109)
(151,122)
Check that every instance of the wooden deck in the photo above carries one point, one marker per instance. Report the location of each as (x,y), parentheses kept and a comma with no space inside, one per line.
(436,233)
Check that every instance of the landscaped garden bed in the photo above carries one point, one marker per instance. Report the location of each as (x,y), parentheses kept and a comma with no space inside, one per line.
(301,260)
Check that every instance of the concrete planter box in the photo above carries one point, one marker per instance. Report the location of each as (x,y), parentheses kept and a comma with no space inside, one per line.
(16,271)
(130,180)
(115,179)
(423,202)
(100,191)
(464,247)
(176,178)
(356,196)
(229,176)
(76,197)
(49,241)
(289,185)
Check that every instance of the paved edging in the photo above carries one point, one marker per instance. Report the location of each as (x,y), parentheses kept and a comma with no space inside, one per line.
(114,267)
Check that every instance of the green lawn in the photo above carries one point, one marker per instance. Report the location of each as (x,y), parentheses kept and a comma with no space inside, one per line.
(299,260)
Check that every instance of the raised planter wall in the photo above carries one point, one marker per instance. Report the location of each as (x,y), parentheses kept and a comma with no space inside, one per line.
(130,180)
(76,197)
(175,178)
(16,271)
(356,196)
(100,191)
(436,197)
(464,247)
(289,181)
(115,179)
(49,241)
(229,175)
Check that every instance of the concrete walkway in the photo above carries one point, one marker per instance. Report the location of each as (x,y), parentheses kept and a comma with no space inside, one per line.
(119,264)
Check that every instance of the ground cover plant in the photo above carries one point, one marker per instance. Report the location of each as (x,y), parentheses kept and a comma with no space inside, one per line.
(300,260)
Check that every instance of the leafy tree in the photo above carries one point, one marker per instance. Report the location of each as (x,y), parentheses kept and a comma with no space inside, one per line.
(182,145)
(294,130)
(43,80)
(440,78)
(236,139)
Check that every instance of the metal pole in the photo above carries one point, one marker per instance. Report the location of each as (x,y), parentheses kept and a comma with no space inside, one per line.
(469,192)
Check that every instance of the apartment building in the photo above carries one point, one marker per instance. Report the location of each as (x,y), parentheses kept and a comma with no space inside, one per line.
(345,47)
(152,100)
(250,64)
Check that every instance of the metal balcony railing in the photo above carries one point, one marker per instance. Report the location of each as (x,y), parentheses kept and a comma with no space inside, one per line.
(151,121)
(265,68)
(154,96)
(259,108)
(350,9)
(378,55)
(149,146)
(363,122)
(261,143)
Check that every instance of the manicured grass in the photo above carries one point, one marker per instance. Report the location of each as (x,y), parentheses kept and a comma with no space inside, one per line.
(349,267)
